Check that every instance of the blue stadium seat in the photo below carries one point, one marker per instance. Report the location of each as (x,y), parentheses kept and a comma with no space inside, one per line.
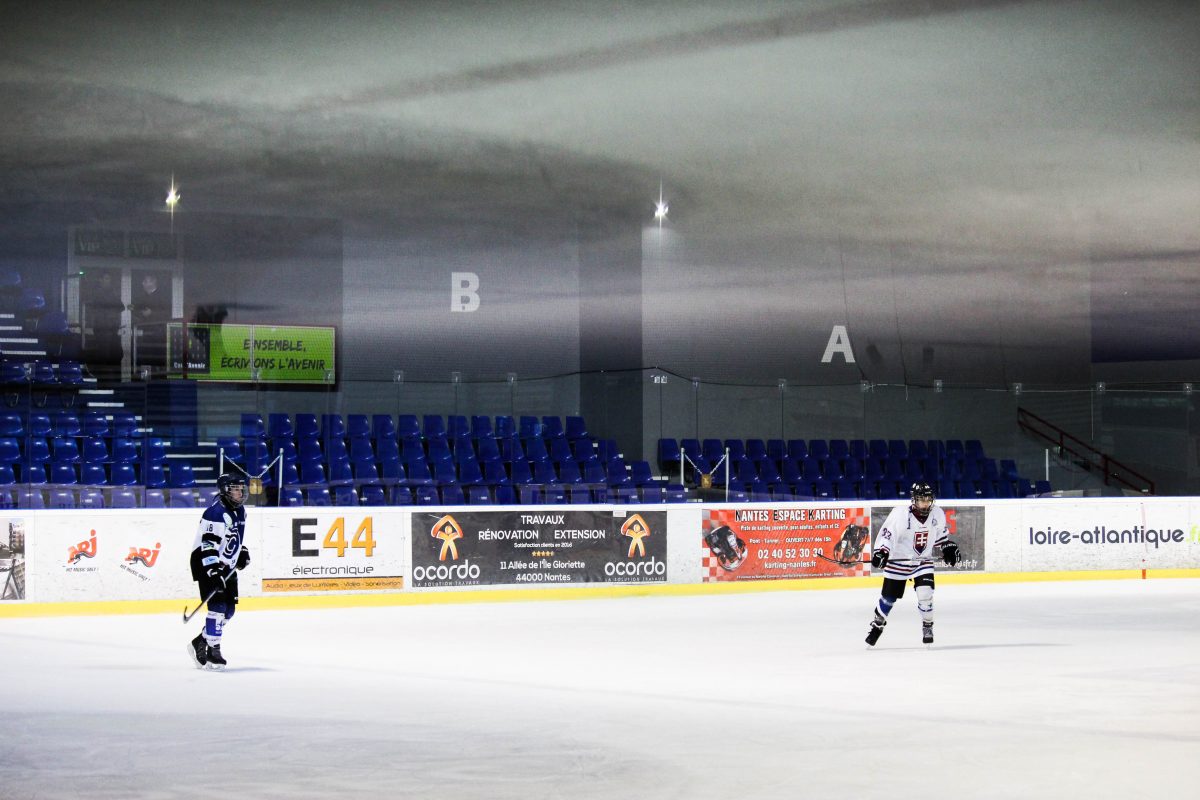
(123,474)
(95,451)
(124,423)
(30,498)
(897,448)
(391,472)
(917,448)
(839,449)
(675,493)
(66,451)
(307,427)
(402,496)
(63,474)
(1042,487)
(66,424)
(252,426)
(408,426)
(70,373)
(434,427)
(846,489)
(123,498)
(478,495)
(776,450)
(279,426)
(91,498)
(494,473)
(156,498)
(576,428)
(345,496)
(505,495)
(10,451)
(374,495)
(182,498)
(319,497)
(797,449)
(291,497)
(506,427)
(33,473)
(818,448)
(568,473)
(181,475)
(383,427)
(93,475)
(428,496)
(358,426)
(332,427)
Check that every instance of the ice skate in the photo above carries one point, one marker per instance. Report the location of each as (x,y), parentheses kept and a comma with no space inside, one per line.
(876,629)
(215,660)
(197,650)
(926,633)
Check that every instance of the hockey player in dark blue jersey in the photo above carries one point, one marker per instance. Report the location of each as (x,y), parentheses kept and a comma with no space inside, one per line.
(216,557)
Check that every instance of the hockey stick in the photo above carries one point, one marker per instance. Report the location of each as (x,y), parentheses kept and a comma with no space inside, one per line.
(187,617)
(840,563)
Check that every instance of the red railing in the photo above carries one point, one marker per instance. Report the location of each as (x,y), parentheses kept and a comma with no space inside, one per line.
(1088,456)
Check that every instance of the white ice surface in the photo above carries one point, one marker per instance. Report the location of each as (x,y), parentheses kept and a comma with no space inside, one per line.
(1085,689)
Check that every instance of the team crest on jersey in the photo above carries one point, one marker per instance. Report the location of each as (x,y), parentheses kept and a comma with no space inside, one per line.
(920,539)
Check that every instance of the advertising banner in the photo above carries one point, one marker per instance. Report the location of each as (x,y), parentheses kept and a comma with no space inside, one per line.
(258,353)
(110,556)
(315,551)
(538,547)
(1114,535)
(770,543)
(12,558)
(965,524)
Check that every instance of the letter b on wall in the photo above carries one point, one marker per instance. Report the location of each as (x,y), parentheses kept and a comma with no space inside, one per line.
(464,291)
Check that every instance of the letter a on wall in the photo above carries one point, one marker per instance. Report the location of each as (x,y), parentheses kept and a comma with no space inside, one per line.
(839,342)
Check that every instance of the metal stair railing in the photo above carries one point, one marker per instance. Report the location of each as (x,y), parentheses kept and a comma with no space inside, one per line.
(1090,457)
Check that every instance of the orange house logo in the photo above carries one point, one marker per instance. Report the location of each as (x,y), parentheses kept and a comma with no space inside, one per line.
(143,555)
(637,530)
(85,549)
(448,530)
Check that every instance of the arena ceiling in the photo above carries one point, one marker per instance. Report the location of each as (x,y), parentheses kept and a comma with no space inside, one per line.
(1018,137)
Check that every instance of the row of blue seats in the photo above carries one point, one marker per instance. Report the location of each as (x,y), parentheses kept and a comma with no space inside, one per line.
(431,426)
(34,497)
(415,470)
(90,450)
(68,423)
(41,372)
(758,450)
(884,490)
(810,469)
(256,452)
(153,475)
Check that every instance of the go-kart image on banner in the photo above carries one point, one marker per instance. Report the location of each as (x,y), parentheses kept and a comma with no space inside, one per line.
(965,524)
(538,547)
(752,544)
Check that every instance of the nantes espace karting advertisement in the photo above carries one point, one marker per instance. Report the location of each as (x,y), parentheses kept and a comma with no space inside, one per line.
(768,543)
(538,547)
(965,524)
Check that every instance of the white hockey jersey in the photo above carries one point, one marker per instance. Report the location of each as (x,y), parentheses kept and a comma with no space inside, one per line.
(910,542)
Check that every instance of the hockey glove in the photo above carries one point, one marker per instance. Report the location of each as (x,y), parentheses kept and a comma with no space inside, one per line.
(879,559)
(218,575)
(243,558)
(950,553)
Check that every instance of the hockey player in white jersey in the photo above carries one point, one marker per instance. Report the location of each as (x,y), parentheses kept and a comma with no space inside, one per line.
(904,552)
(217,556)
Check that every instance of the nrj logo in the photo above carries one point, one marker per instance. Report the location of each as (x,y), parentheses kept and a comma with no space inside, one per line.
(143,555)
(636,529)
(85,549)
(447,529)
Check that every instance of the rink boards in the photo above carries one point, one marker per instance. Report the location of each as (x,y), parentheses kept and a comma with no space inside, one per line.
(111,561)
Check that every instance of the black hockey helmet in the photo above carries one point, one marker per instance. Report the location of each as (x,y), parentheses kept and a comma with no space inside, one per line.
(922,491)
(226,484)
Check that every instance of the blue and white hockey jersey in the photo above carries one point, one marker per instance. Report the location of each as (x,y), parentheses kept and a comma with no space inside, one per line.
(910,542)
(219,538)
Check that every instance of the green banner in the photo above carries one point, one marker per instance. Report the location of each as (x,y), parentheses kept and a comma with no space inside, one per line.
(251,353)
